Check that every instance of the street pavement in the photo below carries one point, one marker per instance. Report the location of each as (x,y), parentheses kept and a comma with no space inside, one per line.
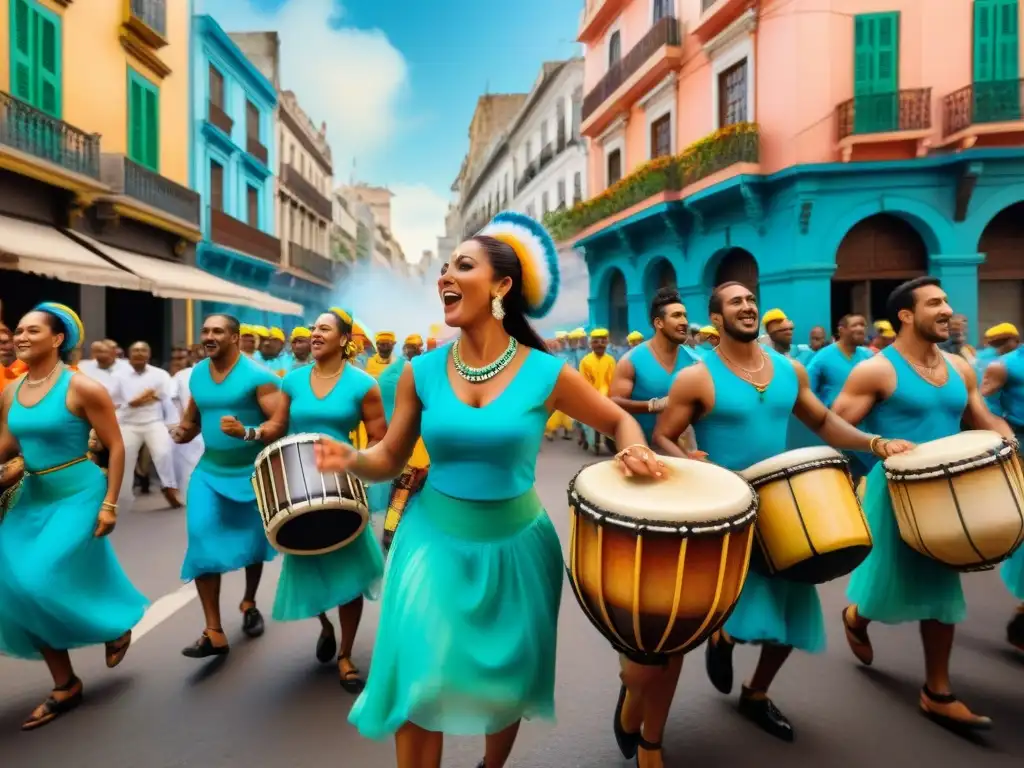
(270,705)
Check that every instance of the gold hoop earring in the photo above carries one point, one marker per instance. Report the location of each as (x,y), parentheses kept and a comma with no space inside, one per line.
(497,308)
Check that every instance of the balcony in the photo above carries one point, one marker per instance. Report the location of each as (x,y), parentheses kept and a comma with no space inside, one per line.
(148,20)
(237,235)
(658,53)
(902,118)
(306,192)
(257,150)
(716,15)
(218,117)
(597,15)
(33,132)
(984,111)
(310,262)
(128,178)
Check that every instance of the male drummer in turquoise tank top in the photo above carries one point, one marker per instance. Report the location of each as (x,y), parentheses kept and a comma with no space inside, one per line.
(913,389)
(740,402)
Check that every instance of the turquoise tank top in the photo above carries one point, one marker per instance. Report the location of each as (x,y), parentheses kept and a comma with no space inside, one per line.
(48,433)
(917,410)
(743,427)
(235,396)
(337,413)
(830,368)
(488,453)
(651,380)
(1011,397)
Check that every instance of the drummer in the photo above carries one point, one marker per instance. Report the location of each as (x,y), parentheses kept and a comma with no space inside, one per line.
(748,389)
(911,388)
(330,397)
(225,532)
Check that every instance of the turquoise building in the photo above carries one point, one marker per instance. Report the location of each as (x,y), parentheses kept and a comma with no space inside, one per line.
(822,240)
(233,159)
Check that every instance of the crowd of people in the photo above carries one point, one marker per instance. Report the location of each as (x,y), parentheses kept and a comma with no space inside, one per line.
(446,439)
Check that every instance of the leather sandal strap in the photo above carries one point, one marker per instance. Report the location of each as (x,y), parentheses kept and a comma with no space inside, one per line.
(68,686)
(648,746)
(939,698)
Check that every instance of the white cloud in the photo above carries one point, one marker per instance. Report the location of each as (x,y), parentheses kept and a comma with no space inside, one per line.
(417,218)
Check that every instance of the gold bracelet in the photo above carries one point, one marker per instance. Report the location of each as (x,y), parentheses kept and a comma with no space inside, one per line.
(873,445)
(109,505)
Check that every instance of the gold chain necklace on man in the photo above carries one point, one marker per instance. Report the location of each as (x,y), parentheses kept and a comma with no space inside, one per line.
(930,372)
(748,373)
(39,382)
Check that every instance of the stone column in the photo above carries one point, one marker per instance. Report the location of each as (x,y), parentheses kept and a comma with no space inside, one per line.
(93,302)
(959,276)
(804,293)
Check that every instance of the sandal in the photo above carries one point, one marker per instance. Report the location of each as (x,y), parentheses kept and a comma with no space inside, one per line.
(646,746)
(350,679)
(204,648)
(326,645)
(53,707)
(857,638)
(117,649)
(252,621)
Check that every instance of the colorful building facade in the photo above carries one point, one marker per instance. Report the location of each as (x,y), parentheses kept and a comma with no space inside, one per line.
(820,157)
(233,157)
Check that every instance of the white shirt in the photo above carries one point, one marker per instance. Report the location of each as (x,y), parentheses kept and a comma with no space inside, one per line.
(106,377)
(181,394)
(133,384)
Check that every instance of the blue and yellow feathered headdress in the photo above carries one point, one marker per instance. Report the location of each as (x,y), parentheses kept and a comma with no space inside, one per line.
(537,256)
(74,331)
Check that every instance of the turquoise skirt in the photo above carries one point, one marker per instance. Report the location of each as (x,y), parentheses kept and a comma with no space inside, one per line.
(313,584)
(469,615)
(895,584)
(778,612)
(1013,574)
(60,587)
(225,530)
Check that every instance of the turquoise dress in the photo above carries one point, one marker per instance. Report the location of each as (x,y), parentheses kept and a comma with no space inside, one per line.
(60,587)
(742,429)
(1011,406)
(828,372)
(651,380)
(473,582)
(314,584)
(895,584)
(225,530)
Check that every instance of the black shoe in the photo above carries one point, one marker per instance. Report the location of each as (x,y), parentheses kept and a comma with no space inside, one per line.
(718,662)
(252,622)
(763,712)
(1015,631)
(326,646)
(203,648)
(627,741)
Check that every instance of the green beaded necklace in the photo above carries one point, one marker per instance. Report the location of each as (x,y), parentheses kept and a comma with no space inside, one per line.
(476,375)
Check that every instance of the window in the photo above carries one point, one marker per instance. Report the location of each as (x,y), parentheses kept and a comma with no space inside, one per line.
(661,136)
(577,187)
(143,121)
(561,193)
(216,87)
(997,95)
(614,166)
(662,9)
(732,95)
(36,73)
(577,112)
(614,48)
(876,73)
(252,205)
(543,134)
(531,211)
(216,186)
(252,121)
(545,203)
(560,122)
(529,151)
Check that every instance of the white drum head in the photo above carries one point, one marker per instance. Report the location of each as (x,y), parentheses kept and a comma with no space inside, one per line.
(790,460)
(304,437)
(693,494)
(962,447)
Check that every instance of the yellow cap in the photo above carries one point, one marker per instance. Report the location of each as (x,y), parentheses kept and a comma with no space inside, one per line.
(884,328)
(276,333)
(577,333)
(1002,329)
(773,316)
(300,332)
(414,339)
(709,330)
(246,330)
(384,336)
(561,334)
(635,336)
(599,333)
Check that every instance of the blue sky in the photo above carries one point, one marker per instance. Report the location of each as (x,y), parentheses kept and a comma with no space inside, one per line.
(397,81)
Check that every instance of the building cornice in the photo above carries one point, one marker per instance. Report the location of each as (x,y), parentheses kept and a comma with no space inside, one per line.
(288,120)
(746,24)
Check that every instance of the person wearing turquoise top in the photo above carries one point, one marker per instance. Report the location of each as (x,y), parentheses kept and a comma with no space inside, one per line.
(1001,339)
(740,402)
(473,582)
(913,390)
(61,586)
(644,376)
(330,397)
(300,347)
(231,394)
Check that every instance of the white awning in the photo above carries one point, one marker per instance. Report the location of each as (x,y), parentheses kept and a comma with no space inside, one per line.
(26,246)
(169,280)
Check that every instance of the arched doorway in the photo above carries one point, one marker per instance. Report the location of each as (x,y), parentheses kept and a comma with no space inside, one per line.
(736,265)
(618,306)
(1001,275)
(876,255)
(660,274)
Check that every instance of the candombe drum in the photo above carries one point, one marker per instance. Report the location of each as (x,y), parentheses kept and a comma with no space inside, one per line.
(960,499)
(657,566)
(810,525)
(305,511)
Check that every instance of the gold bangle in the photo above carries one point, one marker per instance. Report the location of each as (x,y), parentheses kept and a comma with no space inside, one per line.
(108,505)
(876,441)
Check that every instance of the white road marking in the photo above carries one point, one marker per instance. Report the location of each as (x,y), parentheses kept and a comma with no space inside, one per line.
(163,609)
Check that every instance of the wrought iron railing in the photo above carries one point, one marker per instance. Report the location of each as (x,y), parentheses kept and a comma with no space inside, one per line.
(152,13)
(665,32)
(305,191)
(310,261)
(231,233)
(128,178)
(29,130)
(1000,101)
(906,110)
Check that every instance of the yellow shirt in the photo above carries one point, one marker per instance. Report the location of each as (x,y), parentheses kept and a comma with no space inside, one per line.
(598,371)
(375,366)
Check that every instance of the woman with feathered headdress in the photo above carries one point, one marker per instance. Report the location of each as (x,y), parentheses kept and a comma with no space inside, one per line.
(466,643)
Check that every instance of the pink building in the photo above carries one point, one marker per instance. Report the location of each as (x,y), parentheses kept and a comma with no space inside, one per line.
(821,150)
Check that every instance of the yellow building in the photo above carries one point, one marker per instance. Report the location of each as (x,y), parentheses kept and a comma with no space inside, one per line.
(95,205)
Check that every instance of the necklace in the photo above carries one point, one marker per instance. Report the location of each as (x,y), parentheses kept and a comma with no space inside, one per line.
(39,382)
(747,373)
(336,374)
(476,375)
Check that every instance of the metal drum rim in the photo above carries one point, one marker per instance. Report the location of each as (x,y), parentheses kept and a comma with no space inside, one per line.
(304,508)
(978,461)
(301,438)
(799,469)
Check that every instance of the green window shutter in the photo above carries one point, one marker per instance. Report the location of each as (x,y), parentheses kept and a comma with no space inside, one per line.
(143,121)
(863,55)
(151,110)
(1007,50)
(23,45)
(996,61)
(48,62)
(876,72)
(984,32)
(136,138)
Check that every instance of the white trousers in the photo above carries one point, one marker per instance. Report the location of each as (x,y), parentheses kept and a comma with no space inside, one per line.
(161,448)
(186,457)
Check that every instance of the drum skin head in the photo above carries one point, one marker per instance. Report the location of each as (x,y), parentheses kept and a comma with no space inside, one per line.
(317,531)
(962,447)
(790,460)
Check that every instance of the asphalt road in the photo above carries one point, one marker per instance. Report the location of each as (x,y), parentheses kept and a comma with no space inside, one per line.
(270,705)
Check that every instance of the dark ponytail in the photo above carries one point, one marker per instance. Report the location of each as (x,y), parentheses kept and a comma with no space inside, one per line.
(505,263)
